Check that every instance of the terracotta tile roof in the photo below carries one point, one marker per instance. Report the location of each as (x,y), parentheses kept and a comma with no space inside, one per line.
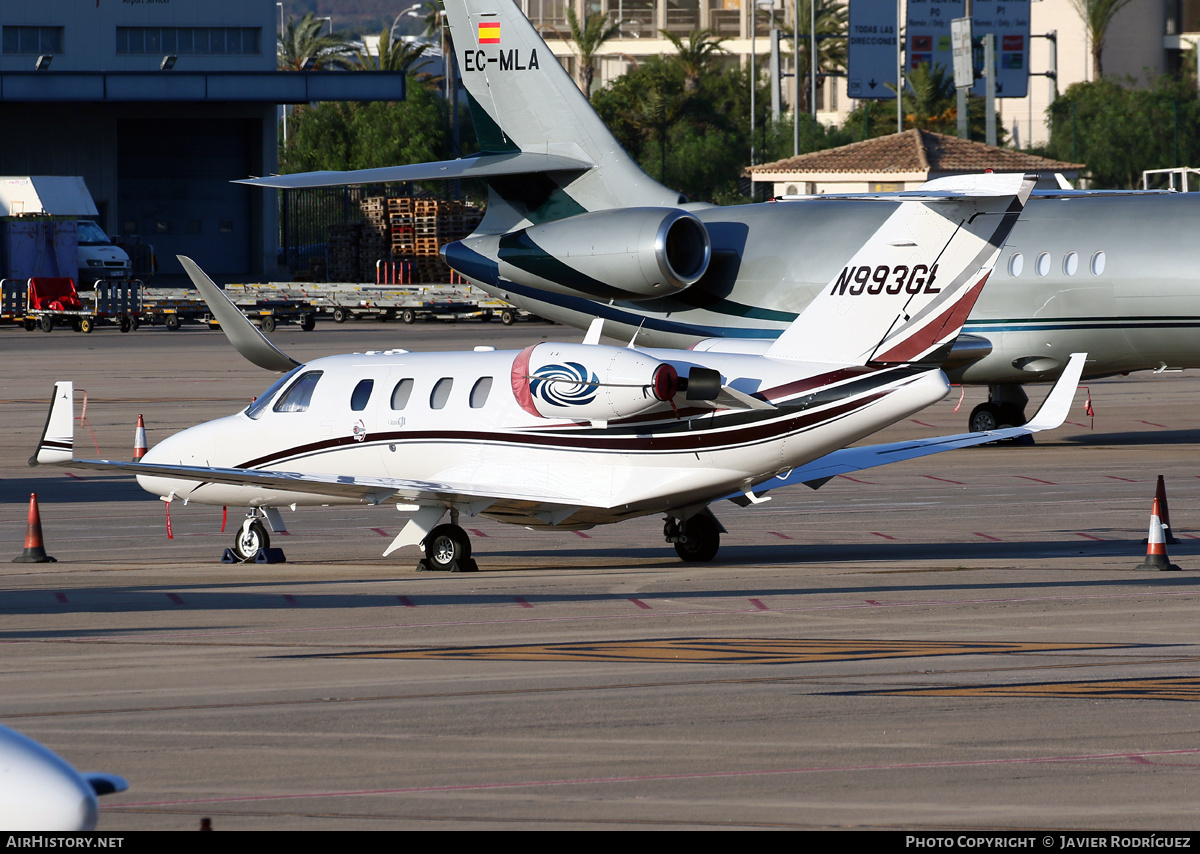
(915,151)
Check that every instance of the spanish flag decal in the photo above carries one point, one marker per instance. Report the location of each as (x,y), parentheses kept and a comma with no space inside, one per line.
(489,33)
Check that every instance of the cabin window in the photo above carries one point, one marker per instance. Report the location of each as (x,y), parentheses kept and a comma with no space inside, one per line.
(362,393)
(480,392)
(297,398)
(260,404)
(1098,260)
(1071,263)
(1042,265)
(401,393)
(441,393)
(1016,263)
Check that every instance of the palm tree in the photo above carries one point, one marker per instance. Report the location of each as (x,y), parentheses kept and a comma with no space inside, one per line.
(303,46)
(1097,15)
(394,55)
(932,103)
(588,40)
(697,56)
(832,19)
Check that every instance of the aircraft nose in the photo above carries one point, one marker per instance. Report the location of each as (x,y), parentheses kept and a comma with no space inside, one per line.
(39,790)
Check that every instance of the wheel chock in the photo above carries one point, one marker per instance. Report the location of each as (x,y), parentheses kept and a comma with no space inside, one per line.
(271,555)
(467,564)
(230,557)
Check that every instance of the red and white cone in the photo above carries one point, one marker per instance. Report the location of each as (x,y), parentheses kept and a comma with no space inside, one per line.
(34,552)
(1156,546)
(139,441)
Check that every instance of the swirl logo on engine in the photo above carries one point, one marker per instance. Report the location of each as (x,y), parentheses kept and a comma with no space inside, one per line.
(564,385)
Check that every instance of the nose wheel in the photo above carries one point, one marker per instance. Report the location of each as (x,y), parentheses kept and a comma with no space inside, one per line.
(697,539)
(252,543)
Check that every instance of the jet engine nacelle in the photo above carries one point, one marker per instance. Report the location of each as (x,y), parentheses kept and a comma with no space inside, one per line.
(630,253)
(591,382)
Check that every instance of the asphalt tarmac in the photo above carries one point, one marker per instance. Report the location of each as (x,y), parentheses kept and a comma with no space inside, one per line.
(956,642)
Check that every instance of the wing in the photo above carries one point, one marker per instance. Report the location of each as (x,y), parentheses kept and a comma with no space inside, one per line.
(1051,415)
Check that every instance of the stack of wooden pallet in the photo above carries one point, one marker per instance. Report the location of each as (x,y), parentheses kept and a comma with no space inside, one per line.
(343,252)
(375,234)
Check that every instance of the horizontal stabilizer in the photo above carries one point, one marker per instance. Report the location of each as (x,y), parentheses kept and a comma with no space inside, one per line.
(476,166)
(1050,416)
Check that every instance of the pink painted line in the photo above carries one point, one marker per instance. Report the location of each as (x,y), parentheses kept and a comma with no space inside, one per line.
(1077,424)
(988,537)
(1152,424)
(874,602)
(1114,477)
(1089,536)
(477,532)
(582,534)
(175,598)
(759,605)
(944,479)
(290,599)
(778,534)
(61,597)
(1143,757)
(877,534)
(922,423)
(854,479)
(380,532)
(406,602)
(520,600)
(73,475)
(1035,479)
(641,604)
(1190,536)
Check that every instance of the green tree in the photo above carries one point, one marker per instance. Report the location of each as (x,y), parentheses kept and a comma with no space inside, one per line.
(832,20)
(929,99)
(341,135)
(587,40)
(1119,131)
(1097,15)
(393,55)
(697,57)
(303,42)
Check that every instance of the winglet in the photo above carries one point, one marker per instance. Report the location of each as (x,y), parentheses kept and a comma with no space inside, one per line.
(58,437)
(246,338)
(1054,409)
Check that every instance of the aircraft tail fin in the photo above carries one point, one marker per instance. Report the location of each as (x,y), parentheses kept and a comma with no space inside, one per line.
(545,153)
(57,444)
(904,296)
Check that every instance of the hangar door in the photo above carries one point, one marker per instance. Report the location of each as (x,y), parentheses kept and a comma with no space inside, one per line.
(174,190)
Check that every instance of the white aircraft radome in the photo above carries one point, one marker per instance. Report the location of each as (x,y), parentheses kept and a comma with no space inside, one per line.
(568,436)
(576,230)
(40,791)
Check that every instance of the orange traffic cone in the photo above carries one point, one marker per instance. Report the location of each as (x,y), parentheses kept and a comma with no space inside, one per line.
(139,441)
(34,552)
(1156,546)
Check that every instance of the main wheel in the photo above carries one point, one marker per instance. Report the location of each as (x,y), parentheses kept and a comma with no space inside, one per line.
(249,539)
(46,322)
(86,324)
(172,322)
(267,323)
(701,539)
(445,546)
(340,315)
(994,416)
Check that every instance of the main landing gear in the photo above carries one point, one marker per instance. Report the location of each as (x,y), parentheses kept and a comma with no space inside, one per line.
(697,538)
(1005,407)
(447,549)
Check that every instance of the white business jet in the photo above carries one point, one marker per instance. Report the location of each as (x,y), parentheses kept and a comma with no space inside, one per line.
(569,436)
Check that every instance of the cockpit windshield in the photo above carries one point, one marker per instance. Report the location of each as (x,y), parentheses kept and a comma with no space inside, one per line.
(260,404)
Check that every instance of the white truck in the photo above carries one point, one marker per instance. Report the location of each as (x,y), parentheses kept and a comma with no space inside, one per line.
(61,196)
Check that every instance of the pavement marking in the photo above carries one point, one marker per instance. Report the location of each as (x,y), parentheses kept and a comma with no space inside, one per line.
(730,650)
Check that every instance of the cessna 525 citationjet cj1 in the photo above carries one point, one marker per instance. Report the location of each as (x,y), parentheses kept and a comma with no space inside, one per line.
(569,436)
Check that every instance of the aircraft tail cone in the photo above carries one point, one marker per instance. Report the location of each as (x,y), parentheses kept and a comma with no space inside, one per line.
(35,551)
(139,440)
(1156,546)
(1160,493)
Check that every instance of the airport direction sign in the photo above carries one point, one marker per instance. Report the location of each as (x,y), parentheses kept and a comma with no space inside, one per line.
(871,59)
(928,38)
